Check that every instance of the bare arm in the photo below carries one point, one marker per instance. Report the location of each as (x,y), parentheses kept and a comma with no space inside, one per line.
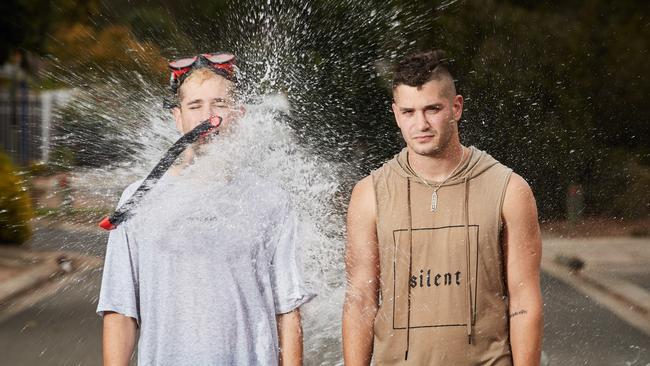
(523,255)
(290,337)
(362,270)
(119,339)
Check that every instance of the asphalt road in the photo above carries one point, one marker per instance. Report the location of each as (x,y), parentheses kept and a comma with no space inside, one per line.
(60,330)
(63,328)
(579,331)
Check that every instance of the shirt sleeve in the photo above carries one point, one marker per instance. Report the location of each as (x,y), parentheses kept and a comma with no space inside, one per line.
(289,291)
(119,289)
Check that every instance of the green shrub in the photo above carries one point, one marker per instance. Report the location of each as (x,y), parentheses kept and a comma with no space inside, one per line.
(15,205)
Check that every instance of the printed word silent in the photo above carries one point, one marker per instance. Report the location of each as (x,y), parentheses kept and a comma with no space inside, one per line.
(428,279)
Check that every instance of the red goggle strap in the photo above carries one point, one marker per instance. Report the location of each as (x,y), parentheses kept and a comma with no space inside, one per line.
(180,72)
(229,68)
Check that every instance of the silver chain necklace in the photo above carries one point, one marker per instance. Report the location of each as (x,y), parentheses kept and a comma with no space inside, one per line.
(434,195)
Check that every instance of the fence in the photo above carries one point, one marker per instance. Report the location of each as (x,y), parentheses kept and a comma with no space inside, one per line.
(25,118)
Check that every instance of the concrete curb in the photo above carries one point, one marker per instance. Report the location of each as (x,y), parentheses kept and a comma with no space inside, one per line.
(41,267)
(33,268)
(627,300)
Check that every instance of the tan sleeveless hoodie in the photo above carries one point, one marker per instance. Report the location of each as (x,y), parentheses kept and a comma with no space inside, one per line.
(443,298)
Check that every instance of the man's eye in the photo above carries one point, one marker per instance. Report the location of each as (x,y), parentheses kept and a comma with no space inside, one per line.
(195,107)
(408,113)
(220,104)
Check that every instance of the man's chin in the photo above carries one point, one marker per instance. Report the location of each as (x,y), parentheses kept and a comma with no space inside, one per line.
(200,147)
(205,139)
(426,150)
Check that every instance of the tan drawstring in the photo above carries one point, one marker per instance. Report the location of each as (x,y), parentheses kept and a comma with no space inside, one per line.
(468,281)
(410,231)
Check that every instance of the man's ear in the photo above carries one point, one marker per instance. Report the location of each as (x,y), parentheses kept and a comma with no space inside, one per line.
(458,107)
(395,113)
(176,112)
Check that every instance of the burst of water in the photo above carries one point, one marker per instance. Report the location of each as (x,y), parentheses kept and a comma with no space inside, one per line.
(299,148)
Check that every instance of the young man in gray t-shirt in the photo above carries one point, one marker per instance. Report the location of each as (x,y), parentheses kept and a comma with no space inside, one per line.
(218,283)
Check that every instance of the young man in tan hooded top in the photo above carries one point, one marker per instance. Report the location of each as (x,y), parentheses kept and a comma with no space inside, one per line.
(444,248)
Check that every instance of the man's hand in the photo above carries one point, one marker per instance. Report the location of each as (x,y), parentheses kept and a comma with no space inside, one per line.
(290,337)
(120,333)
(523,248)
(362,270)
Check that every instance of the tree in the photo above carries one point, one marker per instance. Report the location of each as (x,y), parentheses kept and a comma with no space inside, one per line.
(15,205)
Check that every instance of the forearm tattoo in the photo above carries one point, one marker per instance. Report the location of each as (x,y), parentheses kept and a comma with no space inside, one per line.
(519,312)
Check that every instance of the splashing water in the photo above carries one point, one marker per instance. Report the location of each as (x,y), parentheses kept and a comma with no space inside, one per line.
(288,136)
(263,144)
(305,64)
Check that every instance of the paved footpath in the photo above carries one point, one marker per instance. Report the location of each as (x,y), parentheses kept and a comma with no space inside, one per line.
(589,313)
(597,301)
(52,320)
(613,271)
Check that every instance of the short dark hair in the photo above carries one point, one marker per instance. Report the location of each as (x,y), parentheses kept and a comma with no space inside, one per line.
(419,68)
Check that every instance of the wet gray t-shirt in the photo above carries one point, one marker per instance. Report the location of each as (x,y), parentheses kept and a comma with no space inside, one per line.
(204,268)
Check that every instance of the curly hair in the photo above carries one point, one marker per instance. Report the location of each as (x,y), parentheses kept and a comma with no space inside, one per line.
(419,68)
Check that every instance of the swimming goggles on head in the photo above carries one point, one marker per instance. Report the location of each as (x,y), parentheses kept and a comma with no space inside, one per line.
(223,63)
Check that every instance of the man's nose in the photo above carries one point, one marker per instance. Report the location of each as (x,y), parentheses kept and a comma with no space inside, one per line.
(215,111)
(202,114)
(421,121)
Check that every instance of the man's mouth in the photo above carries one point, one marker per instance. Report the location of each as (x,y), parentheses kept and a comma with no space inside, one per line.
(423,138)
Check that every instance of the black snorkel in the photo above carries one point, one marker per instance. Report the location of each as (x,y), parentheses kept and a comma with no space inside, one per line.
(124,212)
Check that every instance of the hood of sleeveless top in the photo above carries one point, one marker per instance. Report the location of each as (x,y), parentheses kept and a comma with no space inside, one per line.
(473,165)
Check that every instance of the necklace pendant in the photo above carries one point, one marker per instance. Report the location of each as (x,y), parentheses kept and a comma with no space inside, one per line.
(434,201)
